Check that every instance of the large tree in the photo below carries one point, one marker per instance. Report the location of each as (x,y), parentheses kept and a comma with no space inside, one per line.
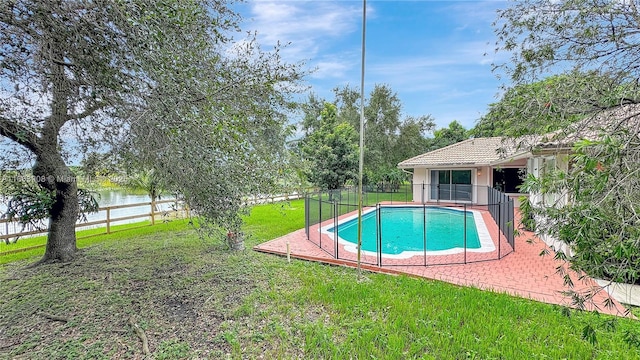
(311,112)
(599,38)
(382,113)
(537,102)
(164,83)
(389,138)
(332,150)
(446,136)
(412,138)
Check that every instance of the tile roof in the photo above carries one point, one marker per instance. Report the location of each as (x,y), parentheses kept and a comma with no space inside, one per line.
(489,151)
(474,152)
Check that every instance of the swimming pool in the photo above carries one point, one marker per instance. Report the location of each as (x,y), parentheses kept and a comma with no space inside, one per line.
(402,231)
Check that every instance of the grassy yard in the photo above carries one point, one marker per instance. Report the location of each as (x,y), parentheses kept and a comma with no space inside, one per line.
(26,247)
(194,299)
(403,194)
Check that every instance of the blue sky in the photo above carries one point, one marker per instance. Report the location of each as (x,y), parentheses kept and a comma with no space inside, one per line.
(436,55)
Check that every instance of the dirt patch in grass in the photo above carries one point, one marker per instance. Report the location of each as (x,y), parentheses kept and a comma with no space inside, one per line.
(182,293)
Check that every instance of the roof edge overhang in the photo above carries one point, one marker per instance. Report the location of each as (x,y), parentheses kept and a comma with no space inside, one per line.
(552,150)
(519,156)
(443,166)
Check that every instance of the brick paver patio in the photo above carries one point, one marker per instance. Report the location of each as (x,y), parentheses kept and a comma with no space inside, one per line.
(523,273)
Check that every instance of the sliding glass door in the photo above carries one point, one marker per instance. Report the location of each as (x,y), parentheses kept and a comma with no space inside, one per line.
(451,185)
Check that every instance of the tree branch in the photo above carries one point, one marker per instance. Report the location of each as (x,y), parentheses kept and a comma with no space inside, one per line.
(141,335)
(55,317)
(19,134)
(87,111)
(62,62)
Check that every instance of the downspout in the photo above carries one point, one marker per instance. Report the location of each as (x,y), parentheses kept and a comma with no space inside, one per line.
(405,170)
(409,172)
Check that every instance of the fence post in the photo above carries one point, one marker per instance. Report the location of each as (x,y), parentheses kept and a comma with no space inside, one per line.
(306,215)
(424,232)
(379,218)
(499,230)
(320,218)
(108,220)
(513,224)
(465,233)
(335,228)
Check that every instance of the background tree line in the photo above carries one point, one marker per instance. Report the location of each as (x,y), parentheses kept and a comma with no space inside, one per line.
(329,144)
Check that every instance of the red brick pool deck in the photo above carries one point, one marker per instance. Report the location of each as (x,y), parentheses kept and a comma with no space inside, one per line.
(522,273)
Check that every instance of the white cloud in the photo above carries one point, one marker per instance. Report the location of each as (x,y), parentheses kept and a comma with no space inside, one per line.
(428,73)
(479,13)
(310,30)
(331,69)
(303,23)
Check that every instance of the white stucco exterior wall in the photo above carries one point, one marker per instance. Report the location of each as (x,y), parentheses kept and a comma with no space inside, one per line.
(482,177)
(536,166)
(420,176)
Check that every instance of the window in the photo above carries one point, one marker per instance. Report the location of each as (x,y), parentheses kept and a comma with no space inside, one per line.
(508,179)
(451,185)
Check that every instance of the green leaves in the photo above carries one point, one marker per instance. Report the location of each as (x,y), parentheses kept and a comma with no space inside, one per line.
(602,222)
(527,213)
(163,84)
(632,338)
(332,150)
(388,139)
(547,105)
(212,124)
(29,205)
(589,334)
(573,68)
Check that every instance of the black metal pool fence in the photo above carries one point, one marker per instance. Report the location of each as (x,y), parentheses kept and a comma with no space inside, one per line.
(325,210)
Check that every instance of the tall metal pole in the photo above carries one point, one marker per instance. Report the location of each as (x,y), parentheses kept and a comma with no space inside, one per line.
(361,162)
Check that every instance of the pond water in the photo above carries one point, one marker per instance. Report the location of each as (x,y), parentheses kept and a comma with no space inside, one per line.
(106,198)
(121,197)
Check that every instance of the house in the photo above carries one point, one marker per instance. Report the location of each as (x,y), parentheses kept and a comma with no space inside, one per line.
(461,172)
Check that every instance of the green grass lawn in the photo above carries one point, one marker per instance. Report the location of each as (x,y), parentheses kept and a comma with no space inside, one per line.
(403,194)
(195,299)
(14,251)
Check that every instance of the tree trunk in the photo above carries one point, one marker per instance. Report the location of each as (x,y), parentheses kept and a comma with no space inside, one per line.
(50,170)
(54,175)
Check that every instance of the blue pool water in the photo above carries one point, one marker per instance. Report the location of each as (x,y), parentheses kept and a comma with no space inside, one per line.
(403,230)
